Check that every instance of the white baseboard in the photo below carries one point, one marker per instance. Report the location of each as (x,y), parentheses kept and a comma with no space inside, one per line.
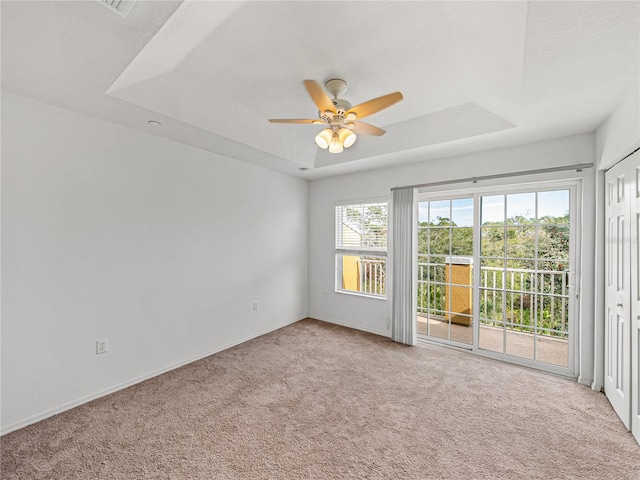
(383,333)
(585,381)
(94,396)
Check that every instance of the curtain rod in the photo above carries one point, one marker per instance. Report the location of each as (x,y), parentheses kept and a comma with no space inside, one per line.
(578,168)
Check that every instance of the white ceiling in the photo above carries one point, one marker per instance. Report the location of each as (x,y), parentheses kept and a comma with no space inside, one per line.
(474,75)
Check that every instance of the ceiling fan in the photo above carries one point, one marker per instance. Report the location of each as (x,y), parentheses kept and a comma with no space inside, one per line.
(342,119)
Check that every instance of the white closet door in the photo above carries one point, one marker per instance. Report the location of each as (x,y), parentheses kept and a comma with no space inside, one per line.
(617,382)
(635,292)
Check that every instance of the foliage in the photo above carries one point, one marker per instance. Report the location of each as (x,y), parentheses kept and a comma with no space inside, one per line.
(519,243)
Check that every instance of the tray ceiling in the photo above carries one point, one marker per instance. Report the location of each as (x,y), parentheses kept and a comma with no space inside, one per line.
(474,75)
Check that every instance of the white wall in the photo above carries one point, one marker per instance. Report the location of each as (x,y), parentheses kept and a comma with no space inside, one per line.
(159,247)
(373,314)
(619,135)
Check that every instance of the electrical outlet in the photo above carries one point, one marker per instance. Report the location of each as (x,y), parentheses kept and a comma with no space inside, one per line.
(102,346)
(255,305)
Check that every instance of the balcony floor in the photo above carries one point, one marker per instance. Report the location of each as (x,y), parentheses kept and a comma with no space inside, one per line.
(549,349)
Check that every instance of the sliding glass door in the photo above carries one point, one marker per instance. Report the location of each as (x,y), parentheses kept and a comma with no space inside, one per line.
(445,261)
(495,273)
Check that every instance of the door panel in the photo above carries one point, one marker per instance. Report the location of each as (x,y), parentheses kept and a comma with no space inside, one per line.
(525,262)
(621,185)
(635,294)
(445,270)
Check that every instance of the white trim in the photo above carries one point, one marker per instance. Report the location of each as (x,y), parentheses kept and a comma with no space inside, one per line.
(383,333)
(599,304)
(500,176)
(371,252)
(360,294)
(94,396)
(360,251)
(546,182)
(361,201)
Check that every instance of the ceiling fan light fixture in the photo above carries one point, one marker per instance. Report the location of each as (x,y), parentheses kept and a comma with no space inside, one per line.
(347,137)
(339,116)
(336,144)
(324,138)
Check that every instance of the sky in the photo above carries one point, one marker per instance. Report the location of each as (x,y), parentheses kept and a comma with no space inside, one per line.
(553,203)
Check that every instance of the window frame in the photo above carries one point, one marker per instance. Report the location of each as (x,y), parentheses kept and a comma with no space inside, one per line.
(340,250)
(539,184)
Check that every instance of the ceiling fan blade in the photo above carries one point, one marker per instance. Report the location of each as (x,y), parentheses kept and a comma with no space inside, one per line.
(321,99)
(295,120)
(361,128)
(372,106)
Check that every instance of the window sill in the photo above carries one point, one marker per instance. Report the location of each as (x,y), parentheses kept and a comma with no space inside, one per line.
(359,294)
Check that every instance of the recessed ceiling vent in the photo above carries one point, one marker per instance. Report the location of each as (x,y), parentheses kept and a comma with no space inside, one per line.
(121,7)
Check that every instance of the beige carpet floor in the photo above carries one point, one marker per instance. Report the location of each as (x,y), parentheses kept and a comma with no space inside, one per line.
(319,401)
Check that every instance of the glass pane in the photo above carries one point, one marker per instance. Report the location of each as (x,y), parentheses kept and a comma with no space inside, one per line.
(363,225)
(423,240)
(552,350)
(436,296)
(459,300)
(491,326)
(423,212)
(492,242)
(462,332)
(462,212)
(363,274)
(374,226)
(439,239)
(521,242)
(462,241)
(558,265)
(423,289)
(491,307)
(521,208)
(553,207)
(492,210)
(520,342)
(553,242)
(491,274)
(438,211)
(437,272)
(439,327)
(423,324)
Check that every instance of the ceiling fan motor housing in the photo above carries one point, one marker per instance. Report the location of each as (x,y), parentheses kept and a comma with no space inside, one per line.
(342,106)
(336,87)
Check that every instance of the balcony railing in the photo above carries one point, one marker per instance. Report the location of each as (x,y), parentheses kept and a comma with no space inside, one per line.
(372,275)
(520,299)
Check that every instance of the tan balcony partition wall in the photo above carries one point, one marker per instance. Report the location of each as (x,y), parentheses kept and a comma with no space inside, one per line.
(351,273)
(458,292)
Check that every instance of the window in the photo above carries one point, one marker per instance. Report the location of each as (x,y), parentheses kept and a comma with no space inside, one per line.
(361,248)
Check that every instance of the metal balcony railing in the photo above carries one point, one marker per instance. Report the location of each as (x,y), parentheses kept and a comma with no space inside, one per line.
(372,275)
(520,299)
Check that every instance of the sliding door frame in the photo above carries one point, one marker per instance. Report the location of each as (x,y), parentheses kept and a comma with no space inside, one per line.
(574,185)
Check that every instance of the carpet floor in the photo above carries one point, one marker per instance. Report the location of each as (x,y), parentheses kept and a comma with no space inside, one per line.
(319,401)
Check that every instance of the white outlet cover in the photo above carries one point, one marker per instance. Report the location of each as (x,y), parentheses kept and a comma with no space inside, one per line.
(102,346)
